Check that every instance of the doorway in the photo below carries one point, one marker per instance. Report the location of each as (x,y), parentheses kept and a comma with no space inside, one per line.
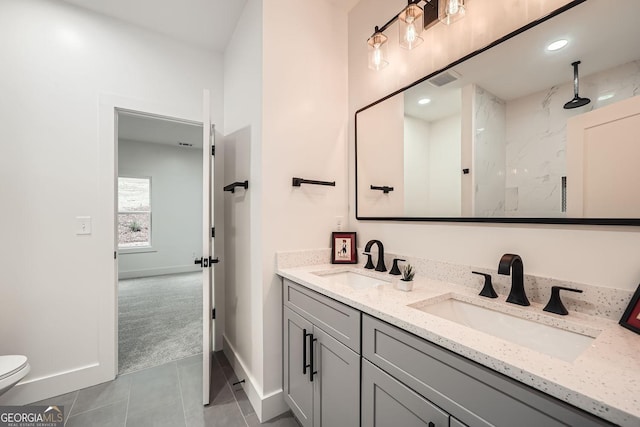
(159,198)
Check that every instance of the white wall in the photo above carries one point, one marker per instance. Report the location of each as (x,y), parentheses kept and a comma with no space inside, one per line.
(305,135)
(241,150)
(176,204)
(603,256)
(444,168)
(58,288)
(432,169)
(381,158)
(416,166)
(285,103)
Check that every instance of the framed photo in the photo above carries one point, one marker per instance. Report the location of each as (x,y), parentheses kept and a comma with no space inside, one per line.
(631,317)
(343,248)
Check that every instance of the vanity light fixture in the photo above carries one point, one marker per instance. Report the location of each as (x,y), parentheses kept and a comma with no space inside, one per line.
(377,50)
(424,101)
(557,45)
(416,17)
(410,26)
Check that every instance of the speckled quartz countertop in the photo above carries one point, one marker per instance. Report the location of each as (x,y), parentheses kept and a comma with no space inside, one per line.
(603,380)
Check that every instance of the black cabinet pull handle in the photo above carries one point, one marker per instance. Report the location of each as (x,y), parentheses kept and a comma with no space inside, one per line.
(304,351)
(311,371)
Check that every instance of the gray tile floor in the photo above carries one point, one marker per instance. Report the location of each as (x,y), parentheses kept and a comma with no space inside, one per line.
(167,395)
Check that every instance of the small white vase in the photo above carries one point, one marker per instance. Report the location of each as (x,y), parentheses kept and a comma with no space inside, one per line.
(403,285)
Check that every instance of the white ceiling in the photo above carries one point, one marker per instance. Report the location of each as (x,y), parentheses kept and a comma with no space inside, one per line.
(206,23)
(158,130)
(445,102)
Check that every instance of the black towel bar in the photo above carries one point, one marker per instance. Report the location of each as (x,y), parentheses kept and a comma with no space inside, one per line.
(298,181)
(384,188)
(232,187)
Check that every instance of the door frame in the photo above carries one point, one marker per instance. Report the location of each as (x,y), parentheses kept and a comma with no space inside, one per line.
(143,114)
(109,106)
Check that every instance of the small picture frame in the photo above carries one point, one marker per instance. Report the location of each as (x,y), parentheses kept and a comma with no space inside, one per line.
(631,317)
(343,248)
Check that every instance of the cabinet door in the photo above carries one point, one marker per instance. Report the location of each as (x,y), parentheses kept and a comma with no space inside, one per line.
(298,390)
(455,423)
(336,384)
(388,402)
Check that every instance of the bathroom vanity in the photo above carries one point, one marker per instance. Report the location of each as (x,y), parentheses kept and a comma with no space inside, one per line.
(360,352)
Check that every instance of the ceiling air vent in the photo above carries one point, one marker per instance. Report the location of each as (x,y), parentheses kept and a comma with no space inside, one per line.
(444,78)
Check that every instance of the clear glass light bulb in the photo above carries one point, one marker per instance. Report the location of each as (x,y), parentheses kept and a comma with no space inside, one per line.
(452,7)
(411,35)
(377,56)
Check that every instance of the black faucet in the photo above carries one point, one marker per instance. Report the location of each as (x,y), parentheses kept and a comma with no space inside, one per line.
(511,264)
(555,304)
(380,265)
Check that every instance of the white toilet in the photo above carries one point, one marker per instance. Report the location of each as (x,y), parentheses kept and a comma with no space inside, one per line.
(12,370)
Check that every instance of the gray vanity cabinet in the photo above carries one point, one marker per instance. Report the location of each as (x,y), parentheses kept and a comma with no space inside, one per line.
(388,402)
(321,375)
(337,384)
(342,367)
(474,395)
(298,390)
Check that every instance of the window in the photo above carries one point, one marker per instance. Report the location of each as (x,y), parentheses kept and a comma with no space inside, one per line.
(134,212)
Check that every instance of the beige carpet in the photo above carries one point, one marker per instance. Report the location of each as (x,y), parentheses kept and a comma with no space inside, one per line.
(160,320)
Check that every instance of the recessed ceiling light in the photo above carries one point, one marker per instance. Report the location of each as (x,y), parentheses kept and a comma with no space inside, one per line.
(424,101)
(558,44)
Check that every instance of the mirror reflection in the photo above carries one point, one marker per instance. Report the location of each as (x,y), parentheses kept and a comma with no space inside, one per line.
(519,131)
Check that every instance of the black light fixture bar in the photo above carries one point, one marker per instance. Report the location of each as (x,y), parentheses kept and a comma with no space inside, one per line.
(297,182)
(430,15)
(232,187)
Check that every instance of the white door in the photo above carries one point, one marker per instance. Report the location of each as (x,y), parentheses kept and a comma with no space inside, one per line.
(602,151)
(208,259)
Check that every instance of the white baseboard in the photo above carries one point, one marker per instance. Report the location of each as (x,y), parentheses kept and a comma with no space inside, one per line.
(266,406)
(273,404)
(36,389)
(161,271)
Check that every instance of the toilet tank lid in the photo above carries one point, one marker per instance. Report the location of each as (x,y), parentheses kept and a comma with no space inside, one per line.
(11,364)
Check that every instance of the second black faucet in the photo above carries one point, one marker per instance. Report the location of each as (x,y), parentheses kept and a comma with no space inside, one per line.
(511,264)
(380,264)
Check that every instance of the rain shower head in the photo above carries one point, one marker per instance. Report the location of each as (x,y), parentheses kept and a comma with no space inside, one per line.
(577,101)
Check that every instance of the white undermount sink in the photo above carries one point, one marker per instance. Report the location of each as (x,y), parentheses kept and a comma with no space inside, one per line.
(556,342)
(353,279)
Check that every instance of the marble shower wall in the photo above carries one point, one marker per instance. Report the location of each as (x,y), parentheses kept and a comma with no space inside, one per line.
(536,138)
(489,154)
